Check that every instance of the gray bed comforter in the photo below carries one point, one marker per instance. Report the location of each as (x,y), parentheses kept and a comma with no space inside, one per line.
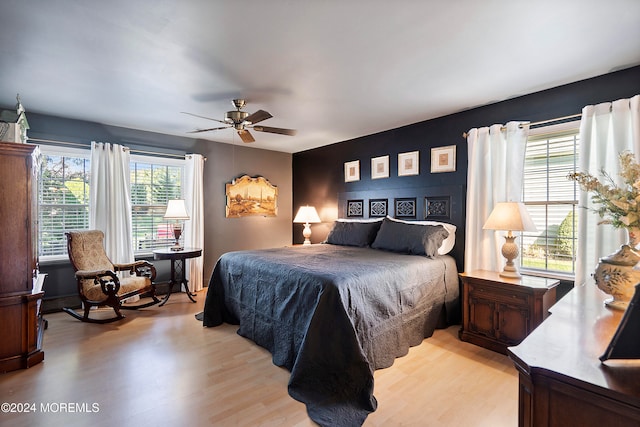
(332,315)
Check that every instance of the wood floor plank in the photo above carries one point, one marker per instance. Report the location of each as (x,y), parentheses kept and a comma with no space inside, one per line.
(160,367)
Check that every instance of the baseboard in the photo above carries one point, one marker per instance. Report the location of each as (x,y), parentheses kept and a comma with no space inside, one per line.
(56,304)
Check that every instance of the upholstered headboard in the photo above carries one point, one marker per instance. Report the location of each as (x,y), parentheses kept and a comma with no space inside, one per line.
(442,203)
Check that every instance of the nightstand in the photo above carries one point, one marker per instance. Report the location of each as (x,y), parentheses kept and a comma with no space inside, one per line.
(498,312)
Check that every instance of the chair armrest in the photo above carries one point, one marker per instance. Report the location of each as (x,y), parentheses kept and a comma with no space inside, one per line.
(139,268)
(90,274)
(107,279)
(126,266)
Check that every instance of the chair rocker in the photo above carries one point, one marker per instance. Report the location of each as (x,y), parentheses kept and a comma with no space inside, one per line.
(98,282)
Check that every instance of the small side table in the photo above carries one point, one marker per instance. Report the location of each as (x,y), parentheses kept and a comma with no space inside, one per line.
(498,312)
(178,273)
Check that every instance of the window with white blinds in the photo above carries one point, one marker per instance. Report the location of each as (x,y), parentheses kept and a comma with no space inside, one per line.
(63,198)
(153,182)
(551,199)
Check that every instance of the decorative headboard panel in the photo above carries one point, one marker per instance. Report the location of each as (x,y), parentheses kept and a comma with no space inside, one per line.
(442,203)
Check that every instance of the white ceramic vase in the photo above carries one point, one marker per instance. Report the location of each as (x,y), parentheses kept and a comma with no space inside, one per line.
(615,274)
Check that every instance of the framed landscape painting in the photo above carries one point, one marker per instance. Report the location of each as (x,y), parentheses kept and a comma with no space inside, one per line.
(248,196)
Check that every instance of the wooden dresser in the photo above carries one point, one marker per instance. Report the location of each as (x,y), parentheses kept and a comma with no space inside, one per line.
(20,322)
(562,382)
(498,312)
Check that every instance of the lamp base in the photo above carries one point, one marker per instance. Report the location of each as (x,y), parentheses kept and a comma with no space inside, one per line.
(307,234)
(513,274)
(510,252)
(177,232)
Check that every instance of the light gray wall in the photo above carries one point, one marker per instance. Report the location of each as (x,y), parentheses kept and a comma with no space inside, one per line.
(224,163)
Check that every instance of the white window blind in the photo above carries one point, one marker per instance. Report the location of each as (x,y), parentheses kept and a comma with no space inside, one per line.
(63,198)
(153,183)
(551,200)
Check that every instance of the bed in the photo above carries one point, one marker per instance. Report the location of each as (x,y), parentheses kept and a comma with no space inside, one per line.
(332,313)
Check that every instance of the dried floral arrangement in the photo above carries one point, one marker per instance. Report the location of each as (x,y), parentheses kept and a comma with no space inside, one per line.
(619,205)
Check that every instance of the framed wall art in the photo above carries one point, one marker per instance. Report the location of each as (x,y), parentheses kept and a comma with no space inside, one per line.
(443,159)
(352,171)
(437,207)
(377,208)
(405,207)
(408,163)
(355,208)
(248,196)
(380,167)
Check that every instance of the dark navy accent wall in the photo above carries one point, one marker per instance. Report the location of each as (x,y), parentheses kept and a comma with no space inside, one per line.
(318,174)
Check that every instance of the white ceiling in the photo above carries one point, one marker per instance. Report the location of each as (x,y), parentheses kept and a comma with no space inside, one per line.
(333,70)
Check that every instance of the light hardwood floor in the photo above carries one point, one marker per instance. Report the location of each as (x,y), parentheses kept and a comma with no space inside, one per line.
(160,367)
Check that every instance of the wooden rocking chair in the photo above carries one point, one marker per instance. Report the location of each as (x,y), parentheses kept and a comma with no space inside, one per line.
(98,281)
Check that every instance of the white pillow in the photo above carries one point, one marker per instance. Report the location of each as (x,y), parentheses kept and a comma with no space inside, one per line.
(447,244)
(359,219)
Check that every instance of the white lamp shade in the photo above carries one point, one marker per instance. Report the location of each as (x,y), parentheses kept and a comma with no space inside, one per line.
(176,209)
(307,215)
(509,216)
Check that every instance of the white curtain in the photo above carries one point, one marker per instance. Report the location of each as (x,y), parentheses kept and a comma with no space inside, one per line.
(606,130)
(495,174)
(110,203)
(194,228)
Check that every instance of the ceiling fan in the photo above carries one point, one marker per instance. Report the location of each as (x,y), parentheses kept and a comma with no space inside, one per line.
(242,121)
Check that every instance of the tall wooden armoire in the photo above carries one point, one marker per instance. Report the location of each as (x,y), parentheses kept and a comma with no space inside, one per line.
(21,325)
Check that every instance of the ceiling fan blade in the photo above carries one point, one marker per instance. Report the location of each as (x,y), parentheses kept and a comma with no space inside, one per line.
(203,117)
(207,130)
(246,136)
(281,131)
(258,116)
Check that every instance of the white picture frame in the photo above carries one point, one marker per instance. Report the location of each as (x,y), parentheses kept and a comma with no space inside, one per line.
(352,171)
(443,159)
(380,167)
(409,163)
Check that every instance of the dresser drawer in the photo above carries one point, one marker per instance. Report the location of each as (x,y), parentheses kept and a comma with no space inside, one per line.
(498,294)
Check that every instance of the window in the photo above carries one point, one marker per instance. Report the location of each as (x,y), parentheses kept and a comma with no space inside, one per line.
(551,199)
(63,198)
(154,181)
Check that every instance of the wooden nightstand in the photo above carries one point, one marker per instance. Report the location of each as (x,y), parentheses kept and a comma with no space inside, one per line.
(498,312)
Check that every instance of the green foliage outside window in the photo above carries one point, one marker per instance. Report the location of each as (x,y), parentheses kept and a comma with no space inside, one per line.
(551,200)
(63,201)
(64,194)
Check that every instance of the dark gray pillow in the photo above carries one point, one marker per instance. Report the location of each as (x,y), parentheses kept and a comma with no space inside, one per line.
(353,233)
(412,239)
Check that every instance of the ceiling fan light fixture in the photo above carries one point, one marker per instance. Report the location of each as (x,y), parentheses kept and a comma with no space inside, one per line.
(235,116)
(241,121)
(238,103)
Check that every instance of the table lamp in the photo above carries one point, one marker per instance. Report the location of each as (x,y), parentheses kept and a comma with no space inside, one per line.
(510,216)
(307,215)
(177,211)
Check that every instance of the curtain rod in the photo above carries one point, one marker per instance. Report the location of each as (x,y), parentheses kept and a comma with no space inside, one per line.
(76,144)
(541,122)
